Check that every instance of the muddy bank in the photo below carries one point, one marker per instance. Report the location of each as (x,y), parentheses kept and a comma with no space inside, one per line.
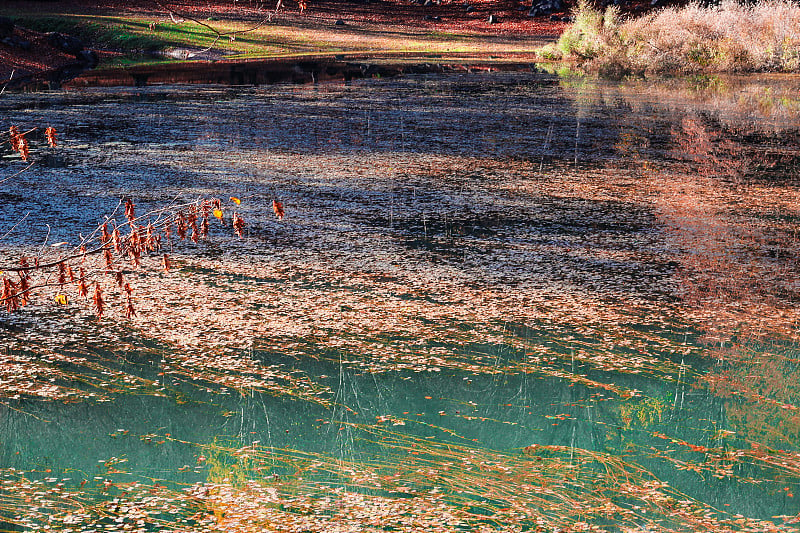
(75,74)
(266,72)
(30,57)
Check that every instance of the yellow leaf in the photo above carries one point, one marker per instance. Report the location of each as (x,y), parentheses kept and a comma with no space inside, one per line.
(61,299)
(217,213)
(235,200)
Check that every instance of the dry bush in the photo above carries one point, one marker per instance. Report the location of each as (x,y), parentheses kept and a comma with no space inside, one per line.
(589,35)
(730,37)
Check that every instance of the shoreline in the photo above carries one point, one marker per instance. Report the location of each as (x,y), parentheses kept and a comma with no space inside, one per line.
(300,69)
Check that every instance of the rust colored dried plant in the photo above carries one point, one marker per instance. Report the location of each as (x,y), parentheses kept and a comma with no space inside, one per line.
(50,135)
(238,225)
(116,251)
(19,143)
(277,207)
(99,304)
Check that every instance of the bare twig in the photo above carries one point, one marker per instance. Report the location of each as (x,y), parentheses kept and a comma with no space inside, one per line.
(20,221)
(46,238)
(5,84)
(46,269)
(25,133)
(79,251)
(12,176)
(654,47)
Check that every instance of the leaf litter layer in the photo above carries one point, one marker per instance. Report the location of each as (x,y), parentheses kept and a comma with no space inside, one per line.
(610,272)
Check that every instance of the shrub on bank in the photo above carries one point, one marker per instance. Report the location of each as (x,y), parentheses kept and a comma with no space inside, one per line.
(730,37)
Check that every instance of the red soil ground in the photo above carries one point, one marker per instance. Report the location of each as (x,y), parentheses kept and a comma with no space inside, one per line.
(41,57)
(389,15)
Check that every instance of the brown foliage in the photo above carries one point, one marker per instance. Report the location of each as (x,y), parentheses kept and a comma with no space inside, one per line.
(238,225)
(112,247)
(99,304)
(277,207)
(50,135)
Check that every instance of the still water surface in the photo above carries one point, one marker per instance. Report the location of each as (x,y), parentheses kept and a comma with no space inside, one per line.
(505,301)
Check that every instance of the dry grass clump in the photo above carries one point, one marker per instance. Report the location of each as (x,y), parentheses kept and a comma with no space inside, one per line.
(729,37)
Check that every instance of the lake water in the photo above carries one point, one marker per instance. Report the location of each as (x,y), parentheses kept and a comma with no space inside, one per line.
(516,301)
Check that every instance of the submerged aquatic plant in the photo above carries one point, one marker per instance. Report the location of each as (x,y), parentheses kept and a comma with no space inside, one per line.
(411,484)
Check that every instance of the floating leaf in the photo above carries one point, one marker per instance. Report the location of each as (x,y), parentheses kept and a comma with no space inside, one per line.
(236,200)
(62,299)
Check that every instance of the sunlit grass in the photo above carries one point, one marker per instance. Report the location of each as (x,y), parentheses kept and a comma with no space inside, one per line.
(129,34)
